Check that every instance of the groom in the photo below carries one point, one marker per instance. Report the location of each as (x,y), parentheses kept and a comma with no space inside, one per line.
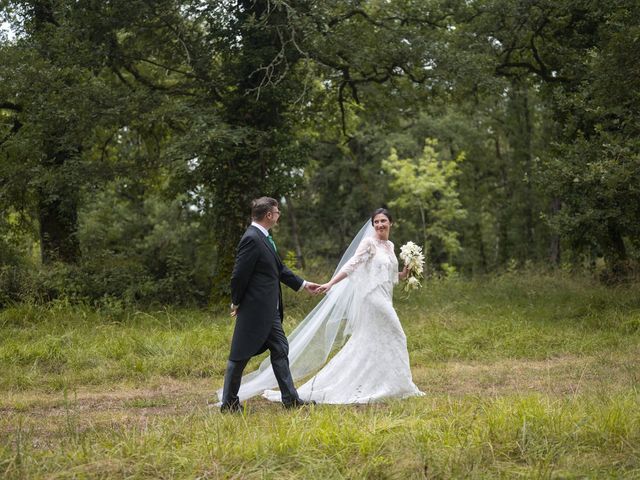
(257,306)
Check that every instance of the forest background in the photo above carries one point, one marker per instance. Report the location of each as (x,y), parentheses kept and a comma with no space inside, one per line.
(504,135)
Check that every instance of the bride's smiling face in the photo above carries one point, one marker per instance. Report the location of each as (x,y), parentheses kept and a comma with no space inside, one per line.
(382,226)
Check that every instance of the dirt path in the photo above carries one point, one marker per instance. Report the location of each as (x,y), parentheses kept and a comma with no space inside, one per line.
(556,376)
(137,404)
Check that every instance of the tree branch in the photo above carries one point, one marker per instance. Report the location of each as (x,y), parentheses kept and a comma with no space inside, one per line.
(166,67)
(10,106)
(17,125)
(342,111)
(154,86)
(503,70)
(384,22)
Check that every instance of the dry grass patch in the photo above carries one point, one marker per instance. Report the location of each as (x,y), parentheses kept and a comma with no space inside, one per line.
(128,405)
(559,376)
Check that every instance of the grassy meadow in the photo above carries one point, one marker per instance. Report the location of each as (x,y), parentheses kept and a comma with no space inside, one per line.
(526,376)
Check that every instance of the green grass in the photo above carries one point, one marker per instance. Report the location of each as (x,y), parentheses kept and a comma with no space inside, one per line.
(74,347)
(440,437)
(535,317)
(525,377)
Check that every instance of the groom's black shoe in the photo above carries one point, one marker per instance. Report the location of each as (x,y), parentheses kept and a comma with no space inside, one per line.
(298,402)
(233,407)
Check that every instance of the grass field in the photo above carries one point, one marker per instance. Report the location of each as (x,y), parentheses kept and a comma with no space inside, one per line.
(526,376)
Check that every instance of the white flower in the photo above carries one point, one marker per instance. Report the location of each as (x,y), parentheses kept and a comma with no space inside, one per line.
(412,256)
(412,284)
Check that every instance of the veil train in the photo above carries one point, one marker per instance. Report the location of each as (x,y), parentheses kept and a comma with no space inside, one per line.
(312,340)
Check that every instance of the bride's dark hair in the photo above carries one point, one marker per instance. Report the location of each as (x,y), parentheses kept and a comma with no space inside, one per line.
(382,210)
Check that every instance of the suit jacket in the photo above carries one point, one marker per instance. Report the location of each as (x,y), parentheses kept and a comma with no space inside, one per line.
(255,288)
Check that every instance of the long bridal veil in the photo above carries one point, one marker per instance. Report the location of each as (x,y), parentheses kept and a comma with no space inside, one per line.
(311,341)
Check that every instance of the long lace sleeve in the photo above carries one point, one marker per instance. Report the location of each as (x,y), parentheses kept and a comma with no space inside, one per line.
(365,251)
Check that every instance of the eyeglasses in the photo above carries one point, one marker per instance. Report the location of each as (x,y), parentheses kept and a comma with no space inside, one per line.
(275,211)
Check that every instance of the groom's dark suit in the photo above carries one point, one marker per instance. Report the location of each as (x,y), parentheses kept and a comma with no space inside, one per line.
(255,289)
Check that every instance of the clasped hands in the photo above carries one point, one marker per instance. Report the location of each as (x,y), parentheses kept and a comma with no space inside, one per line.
(310,287)
(315,289)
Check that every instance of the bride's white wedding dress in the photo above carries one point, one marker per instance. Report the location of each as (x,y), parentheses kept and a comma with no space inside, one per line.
(374,363)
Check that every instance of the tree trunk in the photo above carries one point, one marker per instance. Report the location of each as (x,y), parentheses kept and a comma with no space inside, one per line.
(481,252)
(57,203)
(520,138)
(291,217)
(58,213)
(425,237)
(554,244)
(527,135)
(615,254)
(58,222)
(255,108)
(229,229)
(502,250)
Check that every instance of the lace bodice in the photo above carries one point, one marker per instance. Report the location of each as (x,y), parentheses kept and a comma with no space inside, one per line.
(374,263)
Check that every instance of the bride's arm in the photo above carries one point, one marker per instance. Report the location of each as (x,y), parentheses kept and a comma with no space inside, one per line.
(327,286)
(364,252)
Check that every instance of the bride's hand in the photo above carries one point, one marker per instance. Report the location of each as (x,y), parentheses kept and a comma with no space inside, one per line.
(404,273)
(324,288)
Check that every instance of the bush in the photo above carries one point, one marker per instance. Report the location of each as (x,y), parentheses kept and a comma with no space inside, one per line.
(151,251)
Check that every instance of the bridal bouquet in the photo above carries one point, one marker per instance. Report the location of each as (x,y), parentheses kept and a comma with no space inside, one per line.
(411,255)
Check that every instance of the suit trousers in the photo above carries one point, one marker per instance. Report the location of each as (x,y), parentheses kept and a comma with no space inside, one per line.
(279,348)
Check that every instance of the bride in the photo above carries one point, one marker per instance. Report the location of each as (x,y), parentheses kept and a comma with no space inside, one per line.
(373,364)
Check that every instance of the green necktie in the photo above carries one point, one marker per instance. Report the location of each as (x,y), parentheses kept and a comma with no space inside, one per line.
(273,244)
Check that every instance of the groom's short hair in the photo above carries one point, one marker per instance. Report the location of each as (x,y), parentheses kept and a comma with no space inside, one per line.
(261,206)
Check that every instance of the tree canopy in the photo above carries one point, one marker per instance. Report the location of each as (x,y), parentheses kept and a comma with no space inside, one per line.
(133,135)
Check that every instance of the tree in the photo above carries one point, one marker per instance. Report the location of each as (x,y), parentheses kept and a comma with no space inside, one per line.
(599,149)
(72,111)
(580,54)
(428,184)
(42,93)
(260,74)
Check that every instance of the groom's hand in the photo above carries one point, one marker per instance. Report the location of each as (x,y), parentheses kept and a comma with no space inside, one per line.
(234,310)
(311,287)
(324,288)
